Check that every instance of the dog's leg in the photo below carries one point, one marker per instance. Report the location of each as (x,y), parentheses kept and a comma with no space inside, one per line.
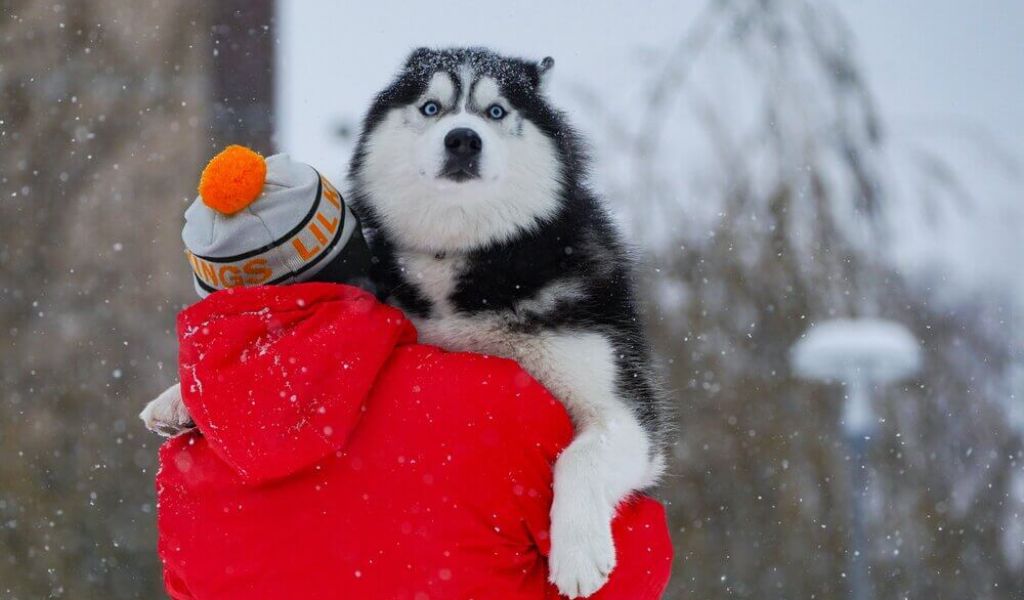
(167,414)
(609,458)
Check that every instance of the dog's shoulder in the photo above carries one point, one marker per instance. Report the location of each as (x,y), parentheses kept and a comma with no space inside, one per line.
(573,269)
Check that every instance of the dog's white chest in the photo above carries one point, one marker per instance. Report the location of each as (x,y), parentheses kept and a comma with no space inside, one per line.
(434,277)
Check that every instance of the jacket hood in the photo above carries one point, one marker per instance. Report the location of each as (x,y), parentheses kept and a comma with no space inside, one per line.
(276,377)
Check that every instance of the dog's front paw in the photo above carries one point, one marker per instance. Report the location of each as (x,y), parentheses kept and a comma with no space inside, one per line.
(167,414)
(582,551)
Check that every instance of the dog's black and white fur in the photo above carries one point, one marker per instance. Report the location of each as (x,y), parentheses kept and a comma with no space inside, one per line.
(496,245)
(472,192)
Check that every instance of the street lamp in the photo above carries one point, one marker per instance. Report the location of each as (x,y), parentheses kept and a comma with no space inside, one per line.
(860,353)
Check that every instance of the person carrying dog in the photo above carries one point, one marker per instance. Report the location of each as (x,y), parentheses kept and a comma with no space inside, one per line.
(321,453)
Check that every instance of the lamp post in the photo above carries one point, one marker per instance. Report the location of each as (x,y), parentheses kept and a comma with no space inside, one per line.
(860,353)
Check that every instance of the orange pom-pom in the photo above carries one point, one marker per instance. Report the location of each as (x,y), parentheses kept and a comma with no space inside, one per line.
(233,180)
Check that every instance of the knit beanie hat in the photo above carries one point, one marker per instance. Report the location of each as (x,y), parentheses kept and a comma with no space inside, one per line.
(269,221)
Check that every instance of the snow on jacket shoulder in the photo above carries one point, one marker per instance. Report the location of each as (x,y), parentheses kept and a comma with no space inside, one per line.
(340,459)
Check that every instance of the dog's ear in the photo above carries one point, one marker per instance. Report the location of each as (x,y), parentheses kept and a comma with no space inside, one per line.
(418,57)
(544,68)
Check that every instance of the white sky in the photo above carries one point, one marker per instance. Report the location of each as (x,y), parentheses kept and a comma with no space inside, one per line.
(945,60)
(926,60)
(333,57)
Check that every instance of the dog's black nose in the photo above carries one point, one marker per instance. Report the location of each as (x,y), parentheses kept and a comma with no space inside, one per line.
(463,142)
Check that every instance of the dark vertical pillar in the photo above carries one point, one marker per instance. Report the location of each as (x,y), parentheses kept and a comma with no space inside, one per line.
(243,35)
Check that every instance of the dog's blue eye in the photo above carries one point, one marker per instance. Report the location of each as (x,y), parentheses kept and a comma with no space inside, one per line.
(430,108)
(496,112)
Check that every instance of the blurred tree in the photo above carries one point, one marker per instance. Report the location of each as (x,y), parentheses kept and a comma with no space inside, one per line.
(105,119)
(790,222)
(242,78)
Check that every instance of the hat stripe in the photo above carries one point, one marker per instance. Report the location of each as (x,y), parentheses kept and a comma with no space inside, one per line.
(209,289)
(309,265)
(322,255)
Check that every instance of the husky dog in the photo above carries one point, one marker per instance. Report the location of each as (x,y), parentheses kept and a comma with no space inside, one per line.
(471,189)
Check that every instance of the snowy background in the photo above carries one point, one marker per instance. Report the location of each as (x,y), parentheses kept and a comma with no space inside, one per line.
(944,76)
(777,162)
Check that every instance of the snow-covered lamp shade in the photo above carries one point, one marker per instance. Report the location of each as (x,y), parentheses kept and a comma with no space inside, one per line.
(878,350)
(858,352)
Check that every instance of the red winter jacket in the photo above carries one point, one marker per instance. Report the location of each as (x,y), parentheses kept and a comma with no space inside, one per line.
(339,459)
